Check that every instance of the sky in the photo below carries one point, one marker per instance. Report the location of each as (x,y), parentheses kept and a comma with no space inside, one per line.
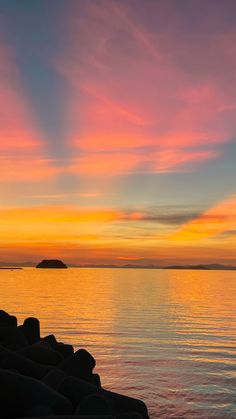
(117,131)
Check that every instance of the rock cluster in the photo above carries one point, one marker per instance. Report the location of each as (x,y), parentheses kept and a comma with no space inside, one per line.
(43,378)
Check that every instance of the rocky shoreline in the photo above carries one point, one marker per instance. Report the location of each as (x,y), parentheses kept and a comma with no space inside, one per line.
(43,378)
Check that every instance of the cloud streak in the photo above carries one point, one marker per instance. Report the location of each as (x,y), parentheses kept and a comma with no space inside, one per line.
(115,234)
(214,222)
(133,88)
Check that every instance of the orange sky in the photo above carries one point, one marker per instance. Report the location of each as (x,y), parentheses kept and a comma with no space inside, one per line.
(117,132)
(103,235)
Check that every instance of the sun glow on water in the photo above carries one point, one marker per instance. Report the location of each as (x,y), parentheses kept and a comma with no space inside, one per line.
(167,337)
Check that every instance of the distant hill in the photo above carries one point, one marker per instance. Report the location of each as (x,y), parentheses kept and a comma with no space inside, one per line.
(213,266)
(18,264)
(210,267)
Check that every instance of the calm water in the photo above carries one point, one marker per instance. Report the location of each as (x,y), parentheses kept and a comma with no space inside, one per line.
(167,337)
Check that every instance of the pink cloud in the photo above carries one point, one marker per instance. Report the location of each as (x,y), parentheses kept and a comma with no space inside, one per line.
(146,97)
(108,163)
(24,169)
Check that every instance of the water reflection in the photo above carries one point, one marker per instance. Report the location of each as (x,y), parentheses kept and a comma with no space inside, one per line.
(165,336)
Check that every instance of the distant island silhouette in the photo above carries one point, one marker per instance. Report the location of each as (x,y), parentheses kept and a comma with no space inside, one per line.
(134,266)
(58,264)
(209,267)
(52,264)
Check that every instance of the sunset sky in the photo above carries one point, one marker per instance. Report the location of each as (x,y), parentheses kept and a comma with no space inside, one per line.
(117,131)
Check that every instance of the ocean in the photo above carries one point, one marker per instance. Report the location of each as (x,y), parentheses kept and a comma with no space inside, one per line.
(167,337)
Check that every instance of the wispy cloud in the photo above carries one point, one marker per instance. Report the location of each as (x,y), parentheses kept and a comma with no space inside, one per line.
(94,228)
(214,222)
(113,233)
(63,196)
(133,87)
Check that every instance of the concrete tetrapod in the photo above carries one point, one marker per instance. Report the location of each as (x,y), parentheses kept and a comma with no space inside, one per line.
(40,377)
(19,394)
(76,390)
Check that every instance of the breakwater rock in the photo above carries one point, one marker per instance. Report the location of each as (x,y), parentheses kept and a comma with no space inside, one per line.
(43,378)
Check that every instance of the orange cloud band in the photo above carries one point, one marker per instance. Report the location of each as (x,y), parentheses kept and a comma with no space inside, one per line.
(213,222)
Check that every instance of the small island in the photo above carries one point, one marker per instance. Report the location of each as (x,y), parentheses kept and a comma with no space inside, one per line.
(52,264)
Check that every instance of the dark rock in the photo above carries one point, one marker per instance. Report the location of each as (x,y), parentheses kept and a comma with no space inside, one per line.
(6,320)
(76,389)
(3,352)
(9,333)
(12,336)
(74,417)
(64,349)
(14,347)
(20,394)
(54,378)
(41,353)
(67,378)
(96,380)
(51,340)
(31,330)
(25,366)
(131,415)
(94,404)
(80,365)
(39,411)
(52,264)
(3,314)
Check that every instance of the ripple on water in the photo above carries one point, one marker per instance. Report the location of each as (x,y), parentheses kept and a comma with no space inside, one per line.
(167,337)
